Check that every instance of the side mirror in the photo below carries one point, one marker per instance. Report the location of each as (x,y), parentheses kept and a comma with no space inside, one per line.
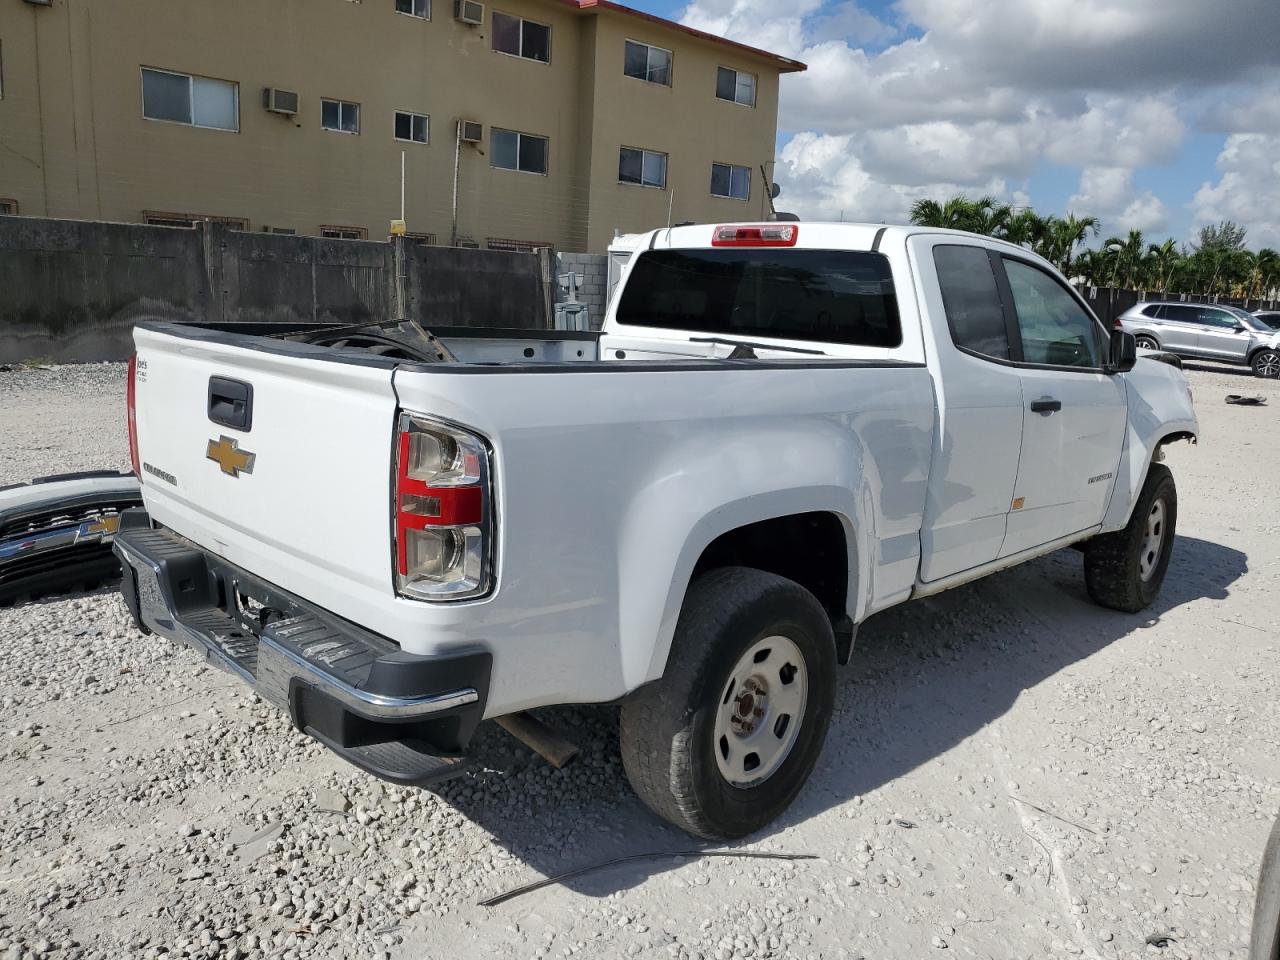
(1124,352)
(1240,328)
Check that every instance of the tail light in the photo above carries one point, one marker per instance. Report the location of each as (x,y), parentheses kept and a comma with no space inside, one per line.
(773,235)
(131,405)
(443,514)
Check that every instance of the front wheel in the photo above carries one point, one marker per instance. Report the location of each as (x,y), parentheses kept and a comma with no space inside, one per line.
(1124,570)
(1266,363)
(724,742)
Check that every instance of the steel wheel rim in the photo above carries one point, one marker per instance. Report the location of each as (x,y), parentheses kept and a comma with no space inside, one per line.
(1152,542)
(760,711)
(1268,364)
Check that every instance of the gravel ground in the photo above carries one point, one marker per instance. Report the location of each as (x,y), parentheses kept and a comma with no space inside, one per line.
(1012,772)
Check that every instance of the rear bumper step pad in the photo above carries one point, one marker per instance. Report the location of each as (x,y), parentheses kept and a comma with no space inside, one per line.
(399,716)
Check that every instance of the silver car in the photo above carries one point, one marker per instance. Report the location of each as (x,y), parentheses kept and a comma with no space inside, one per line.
(1205,331)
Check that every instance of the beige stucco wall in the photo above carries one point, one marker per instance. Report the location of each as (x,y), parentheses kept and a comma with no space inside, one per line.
(74,143)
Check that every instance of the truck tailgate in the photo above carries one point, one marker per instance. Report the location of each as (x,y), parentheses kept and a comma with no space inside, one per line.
(301,497)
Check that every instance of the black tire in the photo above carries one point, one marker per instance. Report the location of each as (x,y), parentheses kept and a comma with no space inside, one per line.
(1146,342)
(1265,943)
(1266,364)
(1113,561)
(667,733)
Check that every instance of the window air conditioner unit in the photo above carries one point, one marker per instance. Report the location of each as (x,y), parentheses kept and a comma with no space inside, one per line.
(470,131)
(468,11)
(280,101)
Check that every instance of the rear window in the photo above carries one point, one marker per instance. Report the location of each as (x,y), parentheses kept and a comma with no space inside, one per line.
(834,296)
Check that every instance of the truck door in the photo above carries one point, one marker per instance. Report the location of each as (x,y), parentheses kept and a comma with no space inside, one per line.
(980,409)
(1074,416)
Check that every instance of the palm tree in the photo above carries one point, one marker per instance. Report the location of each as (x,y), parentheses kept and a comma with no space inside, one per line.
(1027,228)
(1065,235)
(983,215)
(1162,259)
(1269,267)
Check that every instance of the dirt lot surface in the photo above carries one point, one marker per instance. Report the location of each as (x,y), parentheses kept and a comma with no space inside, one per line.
(1012,773)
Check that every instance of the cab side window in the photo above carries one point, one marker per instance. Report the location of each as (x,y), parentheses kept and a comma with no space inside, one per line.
(1056,330)
(971,299)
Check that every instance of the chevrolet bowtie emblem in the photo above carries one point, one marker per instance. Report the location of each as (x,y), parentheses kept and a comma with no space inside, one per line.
(226,453)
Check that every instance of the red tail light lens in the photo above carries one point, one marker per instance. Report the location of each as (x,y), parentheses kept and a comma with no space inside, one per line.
(443,530)
(131,407)
(772,235)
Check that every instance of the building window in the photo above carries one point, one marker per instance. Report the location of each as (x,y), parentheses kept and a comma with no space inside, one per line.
(645,167)
(647,63)
(344,233)
(521,38)
(411,126)
(159,219)
(414,8)
(8,208)
(421,239)
(195,101)
(730,181)
(281,231)
(515,246)
(340,116)
(736,86)
(518,151)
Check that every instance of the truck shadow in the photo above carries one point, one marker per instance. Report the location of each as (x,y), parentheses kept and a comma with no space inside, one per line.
(924,677)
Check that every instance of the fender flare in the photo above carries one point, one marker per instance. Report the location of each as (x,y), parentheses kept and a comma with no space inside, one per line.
(841,502)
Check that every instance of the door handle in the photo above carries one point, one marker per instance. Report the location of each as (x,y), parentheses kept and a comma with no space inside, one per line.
(1046,405)
(231,403)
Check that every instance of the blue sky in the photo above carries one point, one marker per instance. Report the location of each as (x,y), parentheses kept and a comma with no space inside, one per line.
(1159,115)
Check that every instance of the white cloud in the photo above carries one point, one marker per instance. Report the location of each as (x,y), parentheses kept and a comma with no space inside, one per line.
(1248,191)
(1109,194)
(978,95)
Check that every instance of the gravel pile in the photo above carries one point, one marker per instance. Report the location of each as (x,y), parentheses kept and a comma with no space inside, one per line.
(1012,772)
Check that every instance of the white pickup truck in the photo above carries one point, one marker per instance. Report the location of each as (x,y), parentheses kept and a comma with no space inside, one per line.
(781,430)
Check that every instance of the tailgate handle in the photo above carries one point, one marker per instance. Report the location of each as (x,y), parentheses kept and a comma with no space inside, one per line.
(231,403)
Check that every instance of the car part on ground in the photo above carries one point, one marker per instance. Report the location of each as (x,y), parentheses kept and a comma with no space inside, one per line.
(1265,942)
(1240,400)
(56,532)
(1160,356)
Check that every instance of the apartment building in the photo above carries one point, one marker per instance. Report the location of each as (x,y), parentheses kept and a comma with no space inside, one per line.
(518,122)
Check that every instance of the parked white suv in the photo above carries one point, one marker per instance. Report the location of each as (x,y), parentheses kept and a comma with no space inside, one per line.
(783,429)
(1205,331)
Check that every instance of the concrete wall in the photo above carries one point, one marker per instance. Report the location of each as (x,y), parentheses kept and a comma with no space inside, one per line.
(593,268)
(76,143)
(72,290)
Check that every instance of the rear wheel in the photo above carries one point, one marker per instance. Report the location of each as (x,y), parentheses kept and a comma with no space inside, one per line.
(1266,363)
(1124,570)
(1146,343)
(725,741)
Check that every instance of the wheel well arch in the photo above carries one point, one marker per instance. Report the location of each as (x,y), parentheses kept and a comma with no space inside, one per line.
(1258,349)
(1147,335)
(809,548)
